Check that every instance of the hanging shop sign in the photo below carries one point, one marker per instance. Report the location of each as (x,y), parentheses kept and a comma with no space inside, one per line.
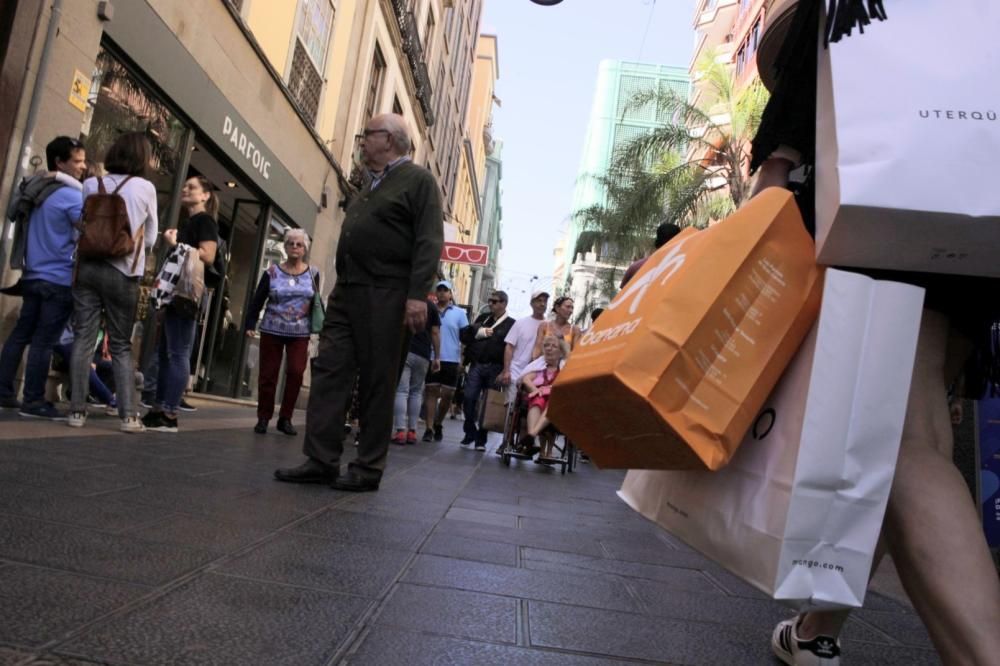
(466,253)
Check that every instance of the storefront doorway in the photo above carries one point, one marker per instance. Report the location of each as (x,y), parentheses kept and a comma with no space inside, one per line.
(224,362)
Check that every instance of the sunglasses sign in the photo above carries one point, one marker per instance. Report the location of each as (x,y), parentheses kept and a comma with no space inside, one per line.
(465,253)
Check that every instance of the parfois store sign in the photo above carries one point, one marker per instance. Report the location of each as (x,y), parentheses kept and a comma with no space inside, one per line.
(465,253)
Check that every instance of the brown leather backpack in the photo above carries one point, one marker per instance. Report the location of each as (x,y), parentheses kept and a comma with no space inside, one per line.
(105,229)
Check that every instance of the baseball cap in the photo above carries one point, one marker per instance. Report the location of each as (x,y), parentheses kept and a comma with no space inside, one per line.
(540,292)
(445,284)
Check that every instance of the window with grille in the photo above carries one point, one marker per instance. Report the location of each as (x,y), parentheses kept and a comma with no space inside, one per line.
(314,23)
(375,81)
(305,83)
(312,38)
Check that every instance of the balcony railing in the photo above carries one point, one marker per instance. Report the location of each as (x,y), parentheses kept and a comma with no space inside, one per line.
(415,55)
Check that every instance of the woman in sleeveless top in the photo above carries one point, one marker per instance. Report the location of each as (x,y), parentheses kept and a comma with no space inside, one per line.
(559,326)
(288,290)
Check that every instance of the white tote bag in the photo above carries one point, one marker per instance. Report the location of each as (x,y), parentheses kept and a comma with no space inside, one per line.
(798,510)
(907,139)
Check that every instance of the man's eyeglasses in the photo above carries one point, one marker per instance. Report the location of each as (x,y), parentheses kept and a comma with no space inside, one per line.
(294,244)
(493,301)
(368,132)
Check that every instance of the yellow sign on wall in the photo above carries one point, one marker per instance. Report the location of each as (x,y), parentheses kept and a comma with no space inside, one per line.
(79,90)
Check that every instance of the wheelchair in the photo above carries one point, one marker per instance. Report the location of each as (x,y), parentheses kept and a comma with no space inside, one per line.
(515,423)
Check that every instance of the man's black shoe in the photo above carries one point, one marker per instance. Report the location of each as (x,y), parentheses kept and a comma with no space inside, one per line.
(261,426)
(428,435)
(468,439)
(285,426)
(311,471)
(354,483)
(438,433)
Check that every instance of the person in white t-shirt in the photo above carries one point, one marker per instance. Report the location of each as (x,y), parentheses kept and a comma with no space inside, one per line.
(520,342)
(111,286)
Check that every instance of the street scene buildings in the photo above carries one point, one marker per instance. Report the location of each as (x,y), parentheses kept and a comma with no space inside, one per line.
(363,208)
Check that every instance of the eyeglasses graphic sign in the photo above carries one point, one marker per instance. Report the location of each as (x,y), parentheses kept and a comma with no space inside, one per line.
(465,253)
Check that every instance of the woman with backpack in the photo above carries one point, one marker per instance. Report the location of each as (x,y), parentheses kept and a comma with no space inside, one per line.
(178,317)
(119,226)
(288,289)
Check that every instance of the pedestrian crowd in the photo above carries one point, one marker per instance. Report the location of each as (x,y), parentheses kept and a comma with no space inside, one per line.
(82,242)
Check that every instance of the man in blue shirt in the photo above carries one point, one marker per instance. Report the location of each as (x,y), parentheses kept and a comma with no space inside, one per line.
(441,385)
(46,281)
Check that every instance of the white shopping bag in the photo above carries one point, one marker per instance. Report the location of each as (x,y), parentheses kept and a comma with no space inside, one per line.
(798,510)
(907,138)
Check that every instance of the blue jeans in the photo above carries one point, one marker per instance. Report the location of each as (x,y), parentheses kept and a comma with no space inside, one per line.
(45,309)
(174,352)
(410,391)
(481,376)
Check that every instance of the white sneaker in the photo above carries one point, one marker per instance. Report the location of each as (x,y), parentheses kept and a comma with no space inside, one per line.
(789,648)
(132,424)
(111,410)
(76,419)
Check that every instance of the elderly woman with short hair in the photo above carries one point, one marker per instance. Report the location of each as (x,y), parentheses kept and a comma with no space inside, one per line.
(287,290)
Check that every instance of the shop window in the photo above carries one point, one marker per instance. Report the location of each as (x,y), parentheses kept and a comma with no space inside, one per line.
(121,102)
(375,81)
(305,83)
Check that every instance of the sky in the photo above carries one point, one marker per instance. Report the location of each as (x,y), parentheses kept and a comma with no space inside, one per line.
(548,60)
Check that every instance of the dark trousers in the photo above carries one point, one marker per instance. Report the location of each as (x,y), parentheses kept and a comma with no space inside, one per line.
(481,376)
(45,309)
(362,336)
(296,352)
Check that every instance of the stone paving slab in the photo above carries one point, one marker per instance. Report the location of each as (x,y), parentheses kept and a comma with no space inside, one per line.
(182,549)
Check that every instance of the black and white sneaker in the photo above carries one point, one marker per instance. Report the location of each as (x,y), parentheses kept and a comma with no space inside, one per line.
(789,648)
(159,422)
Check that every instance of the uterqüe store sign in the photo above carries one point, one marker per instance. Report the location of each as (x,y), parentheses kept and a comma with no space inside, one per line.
(140,32)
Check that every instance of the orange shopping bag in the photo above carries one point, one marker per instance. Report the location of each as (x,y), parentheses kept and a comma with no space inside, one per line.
(679,364)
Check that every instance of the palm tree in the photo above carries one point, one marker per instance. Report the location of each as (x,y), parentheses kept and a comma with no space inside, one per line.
(689,171)
(715,137)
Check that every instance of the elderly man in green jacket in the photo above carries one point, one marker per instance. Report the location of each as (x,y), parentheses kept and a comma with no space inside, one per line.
(387,258)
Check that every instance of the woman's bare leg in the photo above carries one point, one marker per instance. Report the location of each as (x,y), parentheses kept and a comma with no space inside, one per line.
(536,421)
(932,528)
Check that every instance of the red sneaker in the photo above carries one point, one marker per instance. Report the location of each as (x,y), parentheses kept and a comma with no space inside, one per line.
(399,437)
(411,437)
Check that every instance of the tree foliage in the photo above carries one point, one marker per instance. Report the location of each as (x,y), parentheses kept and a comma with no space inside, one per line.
(690,170)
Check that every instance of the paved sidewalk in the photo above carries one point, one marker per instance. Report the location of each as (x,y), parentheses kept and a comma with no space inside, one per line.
(181,549)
